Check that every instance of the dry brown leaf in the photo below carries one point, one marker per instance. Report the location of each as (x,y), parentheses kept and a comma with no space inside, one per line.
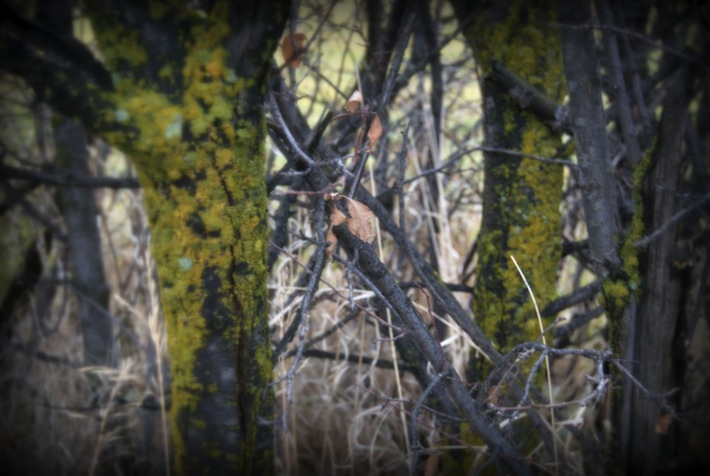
(431,467)
(355,103)
(292,48)
(493,396)
(360,221)
(375,131)
(662,424)
(331,240)
(337,217)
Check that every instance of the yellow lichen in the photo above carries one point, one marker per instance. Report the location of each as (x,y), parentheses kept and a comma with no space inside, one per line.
(524,194)
(195,189)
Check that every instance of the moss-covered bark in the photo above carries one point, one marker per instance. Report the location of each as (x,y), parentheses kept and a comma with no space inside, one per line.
(522,195)
(188,90)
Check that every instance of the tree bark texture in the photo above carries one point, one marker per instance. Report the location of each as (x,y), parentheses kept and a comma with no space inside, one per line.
(521,195)
(655,325)
(596,183)
(186,106)
(587,111)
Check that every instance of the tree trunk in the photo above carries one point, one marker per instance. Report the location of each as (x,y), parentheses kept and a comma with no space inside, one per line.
(188,91)
(655,325)
(521,195)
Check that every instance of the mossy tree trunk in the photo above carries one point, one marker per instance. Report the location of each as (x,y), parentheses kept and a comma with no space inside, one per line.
(191,92)
(657,346)
(180,90)
(522,195)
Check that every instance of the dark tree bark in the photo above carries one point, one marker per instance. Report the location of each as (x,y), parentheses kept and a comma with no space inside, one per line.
(655,326)
(84,239)
(521,195)
(588,122)
(80,213)
(641,278)
(181,91)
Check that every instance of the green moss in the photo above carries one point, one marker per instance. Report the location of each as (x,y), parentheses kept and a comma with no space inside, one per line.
(197,423)
(119,45)
(221,109)
(200,213)
(629,252)
(615,293)
(524,41)
(626,283)
(522,199)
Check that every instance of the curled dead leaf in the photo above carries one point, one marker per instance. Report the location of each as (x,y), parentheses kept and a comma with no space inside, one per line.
(331,242)
(360,221)
(375,131)
(431,467)
(662,424)
(337,217)
(355,102)
(292,48)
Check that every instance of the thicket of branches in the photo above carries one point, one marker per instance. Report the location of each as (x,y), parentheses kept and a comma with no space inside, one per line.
(375,173)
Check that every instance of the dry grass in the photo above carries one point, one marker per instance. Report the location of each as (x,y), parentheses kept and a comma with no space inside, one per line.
(347,418)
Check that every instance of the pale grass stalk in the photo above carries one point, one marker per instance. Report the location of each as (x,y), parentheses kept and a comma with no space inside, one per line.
(455,334)
(426,205)
(283,275)
(156,334)
(447,256)
(547,360)
(291,460)
(122,373)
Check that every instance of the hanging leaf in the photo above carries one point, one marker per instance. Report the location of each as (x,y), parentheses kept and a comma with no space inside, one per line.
(331,242)
(292,48)
(337,217)
(662,424)
(355,103)
(360,221)
(375,131)
(431,467)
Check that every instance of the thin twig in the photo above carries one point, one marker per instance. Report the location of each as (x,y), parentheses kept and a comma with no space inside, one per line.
(304,312)
(287,133)
(67,179)
(382,101)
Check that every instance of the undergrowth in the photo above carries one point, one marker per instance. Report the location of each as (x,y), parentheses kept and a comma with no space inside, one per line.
(352,397)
